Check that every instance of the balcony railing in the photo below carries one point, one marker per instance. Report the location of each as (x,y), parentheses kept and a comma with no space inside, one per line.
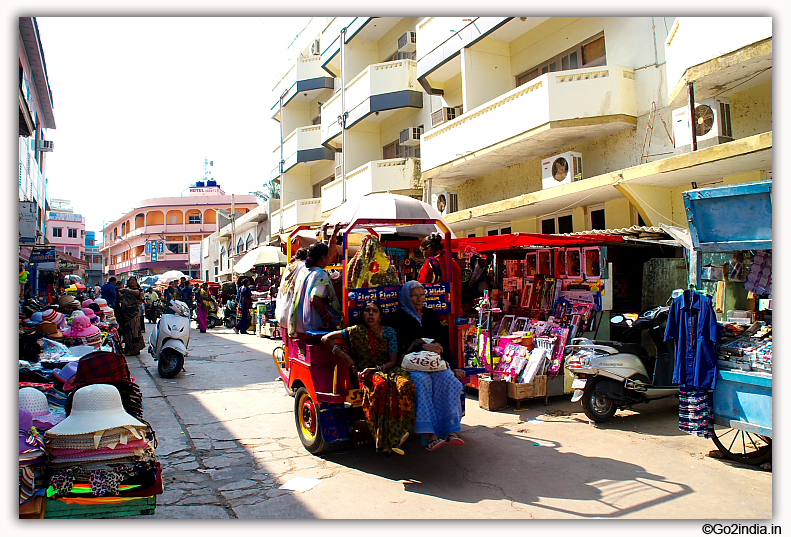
(566,95)
(304,75)
(296,213)
(375,176)
(303,145)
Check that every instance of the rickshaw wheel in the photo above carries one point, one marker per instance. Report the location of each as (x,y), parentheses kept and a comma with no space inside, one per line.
(742,446)
(306,416)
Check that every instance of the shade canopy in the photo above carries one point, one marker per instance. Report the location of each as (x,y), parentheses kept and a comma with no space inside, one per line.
(260,256)
(171,275)
(386,206)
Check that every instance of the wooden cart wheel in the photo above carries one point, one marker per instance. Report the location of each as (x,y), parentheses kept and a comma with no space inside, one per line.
(742,446)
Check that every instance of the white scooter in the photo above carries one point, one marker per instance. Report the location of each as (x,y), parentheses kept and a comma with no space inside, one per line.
(168,343)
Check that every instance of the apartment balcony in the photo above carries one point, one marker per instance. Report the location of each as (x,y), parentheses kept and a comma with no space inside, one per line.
(303,146)
(297,213)
(548,114)
(303,82)
(382,87)
(392,175)
(737,51)
(140,262)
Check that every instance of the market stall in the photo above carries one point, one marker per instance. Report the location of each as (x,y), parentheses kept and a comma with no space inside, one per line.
(733,264)
(543,290)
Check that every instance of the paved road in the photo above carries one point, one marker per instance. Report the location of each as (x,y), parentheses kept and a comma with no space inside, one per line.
(227,441)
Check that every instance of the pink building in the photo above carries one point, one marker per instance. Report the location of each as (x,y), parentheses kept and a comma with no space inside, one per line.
(66,231)
(156,236)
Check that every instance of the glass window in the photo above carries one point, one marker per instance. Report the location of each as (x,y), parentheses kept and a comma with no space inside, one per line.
(194,219)
(57,231)
(548,226)
(565,224)
(597,219)
(72,233)
(176,248)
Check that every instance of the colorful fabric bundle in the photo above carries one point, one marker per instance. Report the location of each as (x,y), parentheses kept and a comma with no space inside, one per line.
(696,411)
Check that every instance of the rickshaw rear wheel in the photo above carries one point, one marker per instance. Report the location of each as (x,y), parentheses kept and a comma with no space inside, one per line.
(742,446)
(306,417)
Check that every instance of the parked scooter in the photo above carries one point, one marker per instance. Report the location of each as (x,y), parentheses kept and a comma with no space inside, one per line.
(212,318)
(613,375)
(229,314)
(168,343)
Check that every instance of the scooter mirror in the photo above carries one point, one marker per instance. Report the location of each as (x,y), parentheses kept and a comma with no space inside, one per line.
(617,319)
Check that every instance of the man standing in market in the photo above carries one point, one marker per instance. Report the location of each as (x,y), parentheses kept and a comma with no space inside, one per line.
(188,294)
(109,293)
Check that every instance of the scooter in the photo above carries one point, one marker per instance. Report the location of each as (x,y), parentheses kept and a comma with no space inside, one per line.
(229,314)
(212,319)
(613,375)
(168,343)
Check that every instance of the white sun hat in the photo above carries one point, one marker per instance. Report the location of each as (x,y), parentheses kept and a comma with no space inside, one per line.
(96,407)
(35,402)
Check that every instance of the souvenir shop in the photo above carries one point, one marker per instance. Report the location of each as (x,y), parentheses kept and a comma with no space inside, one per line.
(85,449)
(540,291)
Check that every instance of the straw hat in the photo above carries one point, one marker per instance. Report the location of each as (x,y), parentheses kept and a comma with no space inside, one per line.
(96,407)
(35,402)
(54,316)
(90,314)
(81,327)
(49,330)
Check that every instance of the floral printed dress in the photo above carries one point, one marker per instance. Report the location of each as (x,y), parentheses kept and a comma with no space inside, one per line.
(389,396)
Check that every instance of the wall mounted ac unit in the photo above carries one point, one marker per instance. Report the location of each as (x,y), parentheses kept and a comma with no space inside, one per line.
(712,124)
(410,136)
(561,169)
(407,42)
(445,202)
(444,114)
(46,145)
(315,48)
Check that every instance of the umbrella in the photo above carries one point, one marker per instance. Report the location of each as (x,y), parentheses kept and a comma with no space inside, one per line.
(171,275)
(73,278)
(261,256)
(383,205)
(79,286)
(149,280)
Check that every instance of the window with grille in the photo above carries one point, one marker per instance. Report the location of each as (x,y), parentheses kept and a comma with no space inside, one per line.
(193,219)
(176,248)
(589,53)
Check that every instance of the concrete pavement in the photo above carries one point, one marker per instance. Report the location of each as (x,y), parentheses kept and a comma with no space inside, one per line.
(227,441)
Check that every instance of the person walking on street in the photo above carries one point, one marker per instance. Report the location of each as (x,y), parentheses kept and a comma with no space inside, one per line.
(171,293)
(187,295)
(203,307)
(131,299)
(109,293)
(244,301)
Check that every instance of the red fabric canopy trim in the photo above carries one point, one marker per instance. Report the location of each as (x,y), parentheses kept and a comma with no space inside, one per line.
(521,240)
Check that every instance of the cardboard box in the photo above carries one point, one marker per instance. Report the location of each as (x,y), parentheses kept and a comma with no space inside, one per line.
(518,390)
(491,393)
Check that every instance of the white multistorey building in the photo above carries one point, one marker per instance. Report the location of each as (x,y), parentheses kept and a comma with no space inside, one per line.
(363,68)
(524,124)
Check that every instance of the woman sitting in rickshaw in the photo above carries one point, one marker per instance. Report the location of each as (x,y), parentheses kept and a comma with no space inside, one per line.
(438,394)
(388,392)
(316,306)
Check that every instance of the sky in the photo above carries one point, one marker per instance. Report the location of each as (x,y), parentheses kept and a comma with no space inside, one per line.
(140,102)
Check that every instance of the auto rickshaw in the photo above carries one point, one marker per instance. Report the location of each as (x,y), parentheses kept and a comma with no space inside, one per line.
(327,397)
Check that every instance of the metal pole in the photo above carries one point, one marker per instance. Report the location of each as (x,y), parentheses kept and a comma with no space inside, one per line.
(693,120)
(342,118)
(282,162)
(233,228)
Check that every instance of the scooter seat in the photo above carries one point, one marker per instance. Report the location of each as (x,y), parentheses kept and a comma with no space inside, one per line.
(631,348)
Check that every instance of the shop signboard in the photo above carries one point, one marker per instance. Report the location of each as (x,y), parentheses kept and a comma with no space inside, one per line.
(437,298)
(67,265)
(154,252)
(148,248)
(28,220)
(195,254)
(161,247)
(42,255)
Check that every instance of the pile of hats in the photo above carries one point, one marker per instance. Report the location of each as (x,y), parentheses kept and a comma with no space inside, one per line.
(100,453)
(32,458)
(35,402)
(67,303)
(82,332)
(109,313)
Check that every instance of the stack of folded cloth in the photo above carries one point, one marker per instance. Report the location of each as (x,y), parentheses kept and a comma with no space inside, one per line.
(99,453)
(31,459)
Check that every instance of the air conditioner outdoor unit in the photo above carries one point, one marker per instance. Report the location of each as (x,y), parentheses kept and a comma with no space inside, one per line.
(712,124)
(46,145)
(407,42)
(410,136)
(445,202)
(315,48)
(444,114)
(561,169)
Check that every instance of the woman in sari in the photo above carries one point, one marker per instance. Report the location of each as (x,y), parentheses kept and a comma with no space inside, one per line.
(204,301)
(131,297)
(285,294)
(316,306)
(388,392)
(244,301)
(438,394)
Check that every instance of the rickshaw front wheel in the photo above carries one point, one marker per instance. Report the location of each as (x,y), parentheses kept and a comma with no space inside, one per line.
(306,416)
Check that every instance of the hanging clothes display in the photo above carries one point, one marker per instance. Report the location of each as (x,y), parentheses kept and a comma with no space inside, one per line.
(692,324)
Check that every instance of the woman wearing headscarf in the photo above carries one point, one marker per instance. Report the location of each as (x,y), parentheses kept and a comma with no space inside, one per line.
(204,301)
(438,394)
(244,301)
(316,306)
(131,297)
(388,392)
(285,294)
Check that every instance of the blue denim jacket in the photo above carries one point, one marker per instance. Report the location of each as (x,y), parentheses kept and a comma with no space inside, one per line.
(693,326)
